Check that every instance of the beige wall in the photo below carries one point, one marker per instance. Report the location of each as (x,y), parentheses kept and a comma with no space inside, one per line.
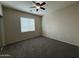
(12,25)
(63,25)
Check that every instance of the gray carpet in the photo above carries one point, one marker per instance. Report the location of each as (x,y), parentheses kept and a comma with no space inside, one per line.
(42,47)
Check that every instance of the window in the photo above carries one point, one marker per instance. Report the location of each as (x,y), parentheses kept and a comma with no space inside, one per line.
(27,24)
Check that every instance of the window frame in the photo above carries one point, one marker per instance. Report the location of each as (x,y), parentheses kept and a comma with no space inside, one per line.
(34,25)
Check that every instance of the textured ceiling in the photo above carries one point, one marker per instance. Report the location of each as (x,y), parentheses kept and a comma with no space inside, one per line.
(51,6)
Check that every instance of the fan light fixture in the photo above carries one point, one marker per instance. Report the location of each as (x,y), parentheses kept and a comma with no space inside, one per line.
(38,5)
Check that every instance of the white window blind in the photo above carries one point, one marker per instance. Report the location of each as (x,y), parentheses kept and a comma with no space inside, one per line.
(27,24)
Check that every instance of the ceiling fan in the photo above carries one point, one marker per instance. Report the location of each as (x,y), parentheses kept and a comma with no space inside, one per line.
(38,5)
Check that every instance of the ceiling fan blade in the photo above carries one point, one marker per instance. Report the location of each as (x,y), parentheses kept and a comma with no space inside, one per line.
(43,3)
(34,2)
(42,8)
(38,4)
(37,9)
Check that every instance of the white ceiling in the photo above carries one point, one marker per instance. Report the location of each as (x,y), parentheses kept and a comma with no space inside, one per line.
(51,6)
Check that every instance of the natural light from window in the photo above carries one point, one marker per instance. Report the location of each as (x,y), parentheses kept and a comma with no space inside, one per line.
(27,24)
